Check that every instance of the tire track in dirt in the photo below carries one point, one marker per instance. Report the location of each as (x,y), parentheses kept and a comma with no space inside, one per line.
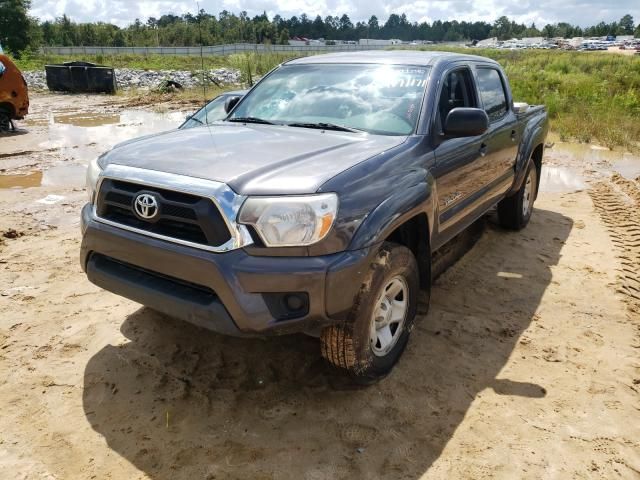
(618,203)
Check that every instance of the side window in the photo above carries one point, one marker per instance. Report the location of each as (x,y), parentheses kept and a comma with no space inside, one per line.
(457,91)
(492,93)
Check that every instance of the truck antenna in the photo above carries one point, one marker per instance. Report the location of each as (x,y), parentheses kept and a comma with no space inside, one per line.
(204,85)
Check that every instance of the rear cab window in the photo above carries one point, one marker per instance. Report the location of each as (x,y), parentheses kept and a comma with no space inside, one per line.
(492,92)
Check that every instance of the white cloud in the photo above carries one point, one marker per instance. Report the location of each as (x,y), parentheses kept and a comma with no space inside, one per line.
(123,12)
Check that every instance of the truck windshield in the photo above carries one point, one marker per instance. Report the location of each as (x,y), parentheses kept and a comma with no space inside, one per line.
(379,99)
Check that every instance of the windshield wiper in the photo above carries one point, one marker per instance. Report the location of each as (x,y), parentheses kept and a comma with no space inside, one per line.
(250,120)
(325,126)
(195,119)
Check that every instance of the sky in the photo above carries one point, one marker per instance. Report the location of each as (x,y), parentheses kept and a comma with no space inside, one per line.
(577,12)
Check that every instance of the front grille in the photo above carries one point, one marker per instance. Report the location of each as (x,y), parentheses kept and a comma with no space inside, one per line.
(182,216)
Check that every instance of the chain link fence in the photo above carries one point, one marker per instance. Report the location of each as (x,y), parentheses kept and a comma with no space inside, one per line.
(214,49)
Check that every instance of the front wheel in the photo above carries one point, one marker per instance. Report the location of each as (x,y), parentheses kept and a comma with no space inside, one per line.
(515,211)
(371,343)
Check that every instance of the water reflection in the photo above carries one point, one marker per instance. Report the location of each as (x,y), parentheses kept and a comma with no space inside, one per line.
(584,155)
(560,179)
(84,136)
(80,137)
(628,167)
(568,166)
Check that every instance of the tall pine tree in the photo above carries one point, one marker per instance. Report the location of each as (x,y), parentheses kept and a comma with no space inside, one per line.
(15,25)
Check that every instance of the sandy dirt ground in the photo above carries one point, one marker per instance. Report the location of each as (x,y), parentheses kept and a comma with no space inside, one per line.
(526,366)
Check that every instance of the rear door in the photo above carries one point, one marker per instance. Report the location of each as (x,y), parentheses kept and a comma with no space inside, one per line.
(501,141)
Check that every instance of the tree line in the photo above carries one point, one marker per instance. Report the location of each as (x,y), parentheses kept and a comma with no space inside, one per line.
(19,31)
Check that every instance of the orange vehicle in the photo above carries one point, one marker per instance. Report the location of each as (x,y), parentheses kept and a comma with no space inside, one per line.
(14,94)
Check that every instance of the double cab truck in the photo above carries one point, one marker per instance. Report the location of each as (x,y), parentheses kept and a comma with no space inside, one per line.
(316,204)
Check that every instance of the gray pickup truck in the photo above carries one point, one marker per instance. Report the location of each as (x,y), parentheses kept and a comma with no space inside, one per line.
(315,206)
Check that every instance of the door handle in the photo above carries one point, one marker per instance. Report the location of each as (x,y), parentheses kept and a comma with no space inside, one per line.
(514,135)
(483,149)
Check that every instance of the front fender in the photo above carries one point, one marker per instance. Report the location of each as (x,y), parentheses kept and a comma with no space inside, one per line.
(393,212)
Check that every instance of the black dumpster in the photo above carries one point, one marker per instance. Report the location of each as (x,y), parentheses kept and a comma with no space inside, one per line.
(80,77)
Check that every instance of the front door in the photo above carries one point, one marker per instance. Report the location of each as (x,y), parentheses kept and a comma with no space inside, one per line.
(460,171)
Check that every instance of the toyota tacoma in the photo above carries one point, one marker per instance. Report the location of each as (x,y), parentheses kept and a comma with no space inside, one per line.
(316,204)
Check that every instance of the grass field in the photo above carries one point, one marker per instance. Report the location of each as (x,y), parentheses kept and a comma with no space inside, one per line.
(591,97)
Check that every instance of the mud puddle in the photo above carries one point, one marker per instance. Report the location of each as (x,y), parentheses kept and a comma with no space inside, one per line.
(628,167)
(63,175)
(83,136)
(568,167)
(561,179)
(57,147)
(582,154)
(87,119)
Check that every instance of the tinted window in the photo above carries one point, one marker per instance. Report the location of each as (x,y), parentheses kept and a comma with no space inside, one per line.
(456,92)
(492,93)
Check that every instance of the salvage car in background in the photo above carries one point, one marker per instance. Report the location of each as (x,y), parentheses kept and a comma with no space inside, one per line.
(212,111)
(14,94)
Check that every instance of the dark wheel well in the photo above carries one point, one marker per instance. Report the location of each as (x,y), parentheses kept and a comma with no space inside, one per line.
(414,234)
(7,108)
(536,156)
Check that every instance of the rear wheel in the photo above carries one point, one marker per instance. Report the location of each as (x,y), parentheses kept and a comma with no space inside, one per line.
(515,211)
(371,343)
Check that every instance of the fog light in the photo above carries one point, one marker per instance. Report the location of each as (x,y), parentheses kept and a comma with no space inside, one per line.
(294,302)
(287,305)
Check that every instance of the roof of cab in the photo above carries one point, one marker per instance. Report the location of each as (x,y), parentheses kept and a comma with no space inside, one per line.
(391,57)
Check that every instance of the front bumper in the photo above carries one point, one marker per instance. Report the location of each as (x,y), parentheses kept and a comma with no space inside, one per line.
(223,292)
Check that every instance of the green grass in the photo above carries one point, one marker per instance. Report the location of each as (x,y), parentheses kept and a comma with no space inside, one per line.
(591,97)
(260,63)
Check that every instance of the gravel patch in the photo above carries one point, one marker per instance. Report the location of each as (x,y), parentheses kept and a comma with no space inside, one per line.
(128,78)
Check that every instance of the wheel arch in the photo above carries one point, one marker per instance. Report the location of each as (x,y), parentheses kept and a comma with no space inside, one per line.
(414,234)
(9,108)
(405,218)
(533,150)
(536,157)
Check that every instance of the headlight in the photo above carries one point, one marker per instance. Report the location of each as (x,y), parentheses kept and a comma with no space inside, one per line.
(291,220)
(93,172)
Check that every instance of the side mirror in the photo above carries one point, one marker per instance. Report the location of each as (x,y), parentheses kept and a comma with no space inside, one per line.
(2,69)
(466,122)
(231,102)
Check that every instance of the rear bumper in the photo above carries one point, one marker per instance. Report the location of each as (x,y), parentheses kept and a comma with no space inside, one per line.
(231,293)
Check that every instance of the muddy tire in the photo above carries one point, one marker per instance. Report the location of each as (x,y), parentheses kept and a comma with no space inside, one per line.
(372,341)
(515,211)
(5,121)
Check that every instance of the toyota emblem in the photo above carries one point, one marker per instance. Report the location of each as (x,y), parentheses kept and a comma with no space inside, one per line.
(146,206)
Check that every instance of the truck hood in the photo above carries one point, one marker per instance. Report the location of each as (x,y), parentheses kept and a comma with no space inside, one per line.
(253,159)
